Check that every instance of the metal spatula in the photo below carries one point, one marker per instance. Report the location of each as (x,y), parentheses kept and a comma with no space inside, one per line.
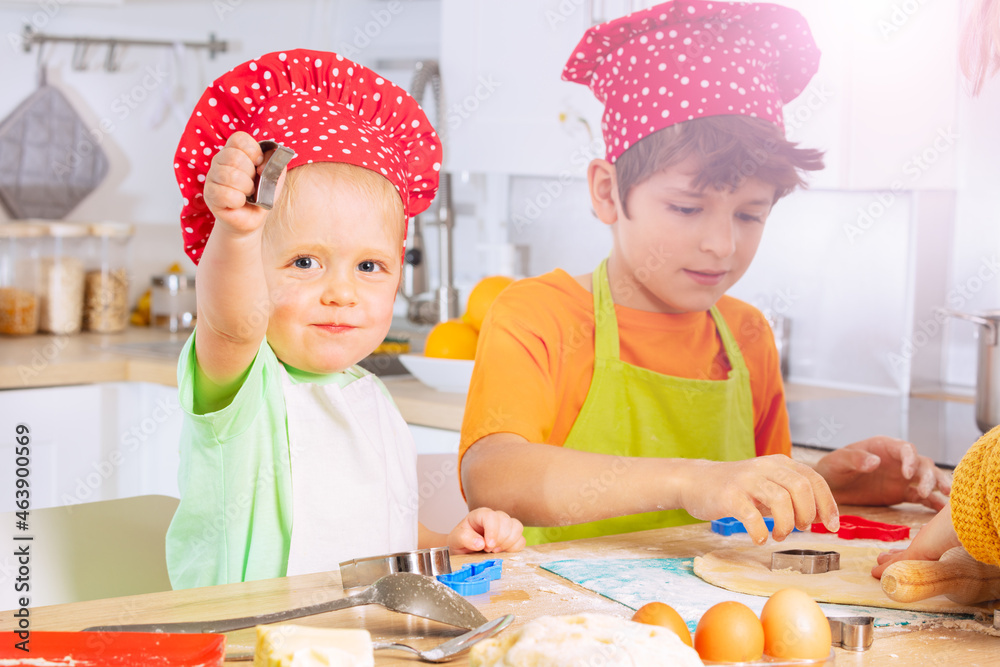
(404,592)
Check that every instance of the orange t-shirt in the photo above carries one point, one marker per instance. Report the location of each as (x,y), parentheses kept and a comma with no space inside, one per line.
(535,360)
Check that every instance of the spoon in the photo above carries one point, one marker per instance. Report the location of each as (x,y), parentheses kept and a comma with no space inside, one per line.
(453,647)
(439,653)
(404,592)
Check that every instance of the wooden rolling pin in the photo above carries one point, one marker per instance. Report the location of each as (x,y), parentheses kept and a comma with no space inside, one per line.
(958,576)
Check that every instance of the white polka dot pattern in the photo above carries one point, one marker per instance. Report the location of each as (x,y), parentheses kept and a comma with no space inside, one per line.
(687,59)
(325,108)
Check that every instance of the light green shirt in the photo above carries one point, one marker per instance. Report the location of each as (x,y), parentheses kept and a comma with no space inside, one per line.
(234,521)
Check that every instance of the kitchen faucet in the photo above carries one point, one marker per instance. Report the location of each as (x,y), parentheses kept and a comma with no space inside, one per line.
(430,306)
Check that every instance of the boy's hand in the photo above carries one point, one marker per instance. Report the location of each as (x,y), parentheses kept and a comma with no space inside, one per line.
(884,471)
(230,181)
(791,492)
(486,530)
(936,537)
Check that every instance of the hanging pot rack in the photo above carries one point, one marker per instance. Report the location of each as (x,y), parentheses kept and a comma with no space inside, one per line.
(30,38)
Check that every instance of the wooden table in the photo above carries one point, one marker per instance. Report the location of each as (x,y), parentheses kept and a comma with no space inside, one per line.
(525,590)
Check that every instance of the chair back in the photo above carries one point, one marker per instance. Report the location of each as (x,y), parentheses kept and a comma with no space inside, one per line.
(87,551)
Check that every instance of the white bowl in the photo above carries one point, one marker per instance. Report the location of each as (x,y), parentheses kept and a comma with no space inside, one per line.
(451,375)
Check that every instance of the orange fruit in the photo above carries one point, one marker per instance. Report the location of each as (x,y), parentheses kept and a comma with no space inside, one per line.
(481,298)
(658,613)
(453,339)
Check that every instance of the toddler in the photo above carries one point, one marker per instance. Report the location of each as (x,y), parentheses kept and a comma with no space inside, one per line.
(294,459)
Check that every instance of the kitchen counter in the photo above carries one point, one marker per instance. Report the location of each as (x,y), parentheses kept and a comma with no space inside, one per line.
(821,417)
(48,361)
(141,354)
(524,590)
(940,429)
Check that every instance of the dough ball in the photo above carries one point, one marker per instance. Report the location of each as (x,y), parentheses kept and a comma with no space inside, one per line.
(584,639)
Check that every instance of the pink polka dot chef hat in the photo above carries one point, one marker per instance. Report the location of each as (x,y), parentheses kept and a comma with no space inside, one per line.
(687,59)
(325,108)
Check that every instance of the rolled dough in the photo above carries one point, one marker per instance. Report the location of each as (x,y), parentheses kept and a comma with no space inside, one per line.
(748,570)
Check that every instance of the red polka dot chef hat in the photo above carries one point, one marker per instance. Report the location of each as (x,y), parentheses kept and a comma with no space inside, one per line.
(325,108)
(687,59)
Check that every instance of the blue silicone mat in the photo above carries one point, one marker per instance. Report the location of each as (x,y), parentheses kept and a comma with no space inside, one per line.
(634,582)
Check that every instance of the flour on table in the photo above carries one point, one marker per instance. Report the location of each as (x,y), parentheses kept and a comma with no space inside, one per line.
(584,639)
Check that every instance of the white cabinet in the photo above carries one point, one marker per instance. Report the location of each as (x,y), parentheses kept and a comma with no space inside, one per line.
(441,502)
(883,104)
(122,439)
(92,442)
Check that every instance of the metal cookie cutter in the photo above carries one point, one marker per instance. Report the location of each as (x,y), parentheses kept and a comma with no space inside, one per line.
(365,571)
(806,561)
(263,196)
(854,633)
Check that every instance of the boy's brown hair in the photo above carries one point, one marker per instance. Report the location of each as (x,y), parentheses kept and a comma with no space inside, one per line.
(731,149)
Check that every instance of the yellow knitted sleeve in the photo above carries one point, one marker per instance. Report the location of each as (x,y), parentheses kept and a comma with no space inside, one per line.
(975,499)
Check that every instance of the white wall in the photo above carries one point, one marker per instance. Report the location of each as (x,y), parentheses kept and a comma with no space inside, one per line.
(867,305)
(143,107)
(863,306)
(974,260)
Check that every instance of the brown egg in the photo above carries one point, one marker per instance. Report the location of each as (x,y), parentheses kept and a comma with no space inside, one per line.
(794,626)
(729,632)
(657,613)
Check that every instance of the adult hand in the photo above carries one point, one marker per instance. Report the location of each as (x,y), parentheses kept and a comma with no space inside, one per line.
(884,471)
(791,492)
(488,530)
(937,536)
(231,179)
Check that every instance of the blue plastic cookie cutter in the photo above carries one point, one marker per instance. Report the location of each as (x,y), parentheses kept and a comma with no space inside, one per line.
(473,578)
(730,526)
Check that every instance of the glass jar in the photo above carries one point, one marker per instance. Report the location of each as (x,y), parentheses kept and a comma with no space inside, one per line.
(61,277)
(173,306)
(19,243)
(105,294)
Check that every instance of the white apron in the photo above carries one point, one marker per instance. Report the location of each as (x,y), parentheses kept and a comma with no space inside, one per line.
(354,474)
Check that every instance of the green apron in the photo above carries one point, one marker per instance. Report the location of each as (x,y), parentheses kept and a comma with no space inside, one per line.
(636,412)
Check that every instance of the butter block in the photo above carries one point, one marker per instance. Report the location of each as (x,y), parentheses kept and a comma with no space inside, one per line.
(304,646)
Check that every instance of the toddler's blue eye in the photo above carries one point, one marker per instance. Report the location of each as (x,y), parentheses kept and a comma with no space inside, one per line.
(303,263)
(368,266)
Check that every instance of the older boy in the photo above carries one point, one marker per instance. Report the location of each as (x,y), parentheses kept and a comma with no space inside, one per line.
(640,396)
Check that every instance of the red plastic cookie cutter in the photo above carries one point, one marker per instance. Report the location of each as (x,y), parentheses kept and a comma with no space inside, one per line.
(859,528)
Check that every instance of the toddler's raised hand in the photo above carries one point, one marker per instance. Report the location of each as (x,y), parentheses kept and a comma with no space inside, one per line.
(487,530)
(230,181)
